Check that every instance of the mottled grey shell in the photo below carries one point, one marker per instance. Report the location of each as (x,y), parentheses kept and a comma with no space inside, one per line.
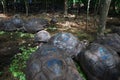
(42,36)
(2,20)
(100,63)
(49,63)
(9,26)
(67,42)
(17,21)
(111,40)
(116,29)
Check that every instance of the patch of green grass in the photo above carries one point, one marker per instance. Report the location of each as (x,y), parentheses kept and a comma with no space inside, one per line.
(82,35)
(19,62)
(1,73)
(52,28)
(2,32)
(24,35)
(17,34)
(82,74)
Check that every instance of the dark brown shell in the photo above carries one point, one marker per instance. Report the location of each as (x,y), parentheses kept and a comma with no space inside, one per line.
(100,63)
(34,25)
(49,63)
(9,26)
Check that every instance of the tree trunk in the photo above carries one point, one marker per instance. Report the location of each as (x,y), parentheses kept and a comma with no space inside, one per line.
(66,8)
(112,7)
(26,7)
(88,6)
(46,4)
(14,6)
(104,8)
(4,6)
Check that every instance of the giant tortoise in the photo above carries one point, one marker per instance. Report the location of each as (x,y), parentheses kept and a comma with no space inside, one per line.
(49,63)
(33,25)
(100,62)
(67,42)
(110,40)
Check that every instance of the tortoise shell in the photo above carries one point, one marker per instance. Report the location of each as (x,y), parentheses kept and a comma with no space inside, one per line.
(67,42)
(100,63)
(17,21)
(34,25)
(42,36)
(9,26)
(111,40)
(48,63)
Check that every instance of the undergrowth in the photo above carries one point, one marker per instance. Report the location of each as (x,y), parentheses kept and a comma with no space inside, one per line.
(19,62)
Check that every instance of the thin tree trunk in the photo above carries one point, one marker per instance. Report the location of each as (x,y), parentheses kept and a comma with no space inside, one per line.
(46,4)
(4,6)
(88,6)
(104,8)
(14,6)
(26,7)
(66,8)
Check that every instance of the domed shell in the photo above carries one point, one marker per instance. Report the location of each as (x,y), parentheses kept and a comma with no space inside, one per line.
(42,36)
(100,63)
(2,20)
(9,26)
(48,63)
(34,25)
(17,21)
(111,40)
(68,42)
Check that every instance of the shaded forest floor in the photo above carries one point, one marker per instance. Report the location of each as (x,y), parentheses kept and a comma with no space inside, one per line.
(72,24)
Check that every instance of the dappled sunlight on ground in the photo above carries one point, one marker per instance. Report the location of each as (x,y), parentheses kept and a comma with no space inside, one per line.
(3,16)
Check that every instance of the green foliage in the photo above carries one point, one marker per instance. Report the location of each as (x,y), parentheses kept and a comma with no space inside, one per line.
(17,34)
(2,32)
(80,71)
(1,73)
(117,6)
(23,35)
(52,28)
(82,35)
(19,62)
(47,3)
